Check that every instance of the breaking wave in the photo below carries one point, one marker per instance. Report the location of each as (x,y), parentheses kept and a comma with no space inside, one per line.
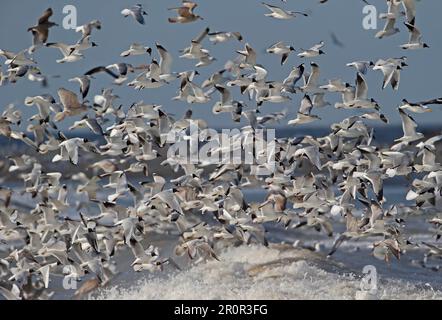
(266,273)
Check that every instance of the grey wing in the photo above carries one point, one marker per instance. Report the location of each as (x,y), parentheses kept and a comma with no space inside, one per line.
(101,69)
(361,87)
(408,124)
(306,105)
(337,243)
(165,59)
(94,126)
(201,36)
(225,94)
(410,9)
(137,13)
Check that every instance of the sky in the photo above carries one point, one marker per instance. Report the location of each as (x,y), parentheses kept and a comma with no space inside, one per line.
(419,81)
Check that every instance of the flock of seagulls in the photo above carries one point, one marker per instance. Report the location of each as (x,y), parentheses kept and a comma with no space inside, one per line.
(392,16)
(79,219)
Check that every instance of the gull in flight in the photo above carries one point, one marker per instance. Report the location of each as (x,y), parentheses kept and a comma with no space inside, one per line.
(87,122)
(361,95)
(185,13)
(136,49)
(69,150)
(71,105)
(313,51)
(311,79)
(295,75)
(71,53)
(391,72)
(136,12)
(279,13)
(84,82)
(281,49)
(409,127)
(415,40)
(41,30)
(219,37)
(86,29)
(304,114)
(391,16)
(45,103)
(249,56)
(419,107)
(361,66)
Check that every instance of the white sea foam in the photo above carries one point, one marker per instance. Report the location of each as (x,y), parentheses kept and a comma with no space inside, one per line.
(263,273)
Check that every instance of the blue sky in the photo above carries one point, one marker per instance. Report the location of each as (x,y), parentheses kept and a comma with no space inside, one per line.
(421,80)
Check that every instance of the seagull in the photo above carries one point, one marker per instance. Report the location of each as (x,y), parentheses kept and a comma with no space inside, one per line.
(136,49)
(348,97)
(249,55)
(133,228)
(122,68)
(185,13)
(90,123)
(196,247)
(21,163)
(415,40)
(409,127)
(41,30)
(69,150)
(414,107)
(295,75)
(71,105)
(304,114)
(273,95)
(16,59)
(86,29)
(118,181)
(166,60)
(432,101)
(70,54)
(214,79)
(279,13)
(319,101)
(274,117)
(391,16)
(144,259)
(313,51)
(226,104)
(83,44)
(281,49)
(222,36)
(196,51)
(34,74)
(311,80)
(361,95)
(335,85)
(84,82)
(375,116)
(391,74)
(428,151)
(44,103)
(361,66)
(136,12)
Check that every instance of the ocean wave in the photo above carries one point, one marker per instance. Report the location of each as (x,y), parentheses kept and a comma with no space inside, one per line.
(266,273)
